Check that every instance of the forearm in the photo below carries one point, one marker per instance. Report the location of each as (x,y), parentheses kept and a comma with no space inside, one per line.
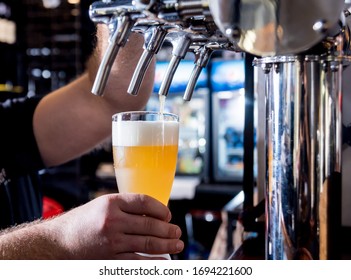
(72,121)
(36,240)
(111,226)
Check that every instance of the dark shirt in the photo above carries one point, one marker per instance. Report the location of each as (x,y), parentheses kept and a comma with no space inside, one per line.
(20,161)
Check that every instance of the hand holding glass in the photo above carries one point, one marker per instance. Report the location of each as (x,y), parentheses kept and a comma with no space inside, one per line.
(145,149)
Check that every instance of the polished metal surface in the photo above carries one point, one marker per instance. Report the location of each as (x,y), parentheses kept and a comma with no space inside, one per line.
(188,23)
(120,19)
(303,154)
(276,27)
(202,58)
(181,42)
(118,39)
(154,37)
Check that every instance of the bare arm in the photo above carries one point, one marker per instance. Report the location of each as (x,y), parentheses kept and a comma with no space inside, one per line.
(109,227)
(71,120)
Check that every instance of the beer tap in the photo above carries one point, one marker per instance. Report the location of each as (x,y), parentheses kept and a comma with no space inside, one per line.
(154,37)
(202,56)
(120,20)
(181,42)
(203,48)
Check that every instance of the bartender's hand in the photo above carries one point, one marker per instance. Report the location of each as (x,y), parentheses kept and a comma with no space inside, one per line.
(109,227)
(117,225)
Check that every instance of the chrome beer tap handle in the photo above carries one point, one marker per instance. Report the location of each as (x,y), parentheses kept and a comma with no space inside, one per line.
(201,60)
(118,38)
(154,37)
(120,20)
(181,42)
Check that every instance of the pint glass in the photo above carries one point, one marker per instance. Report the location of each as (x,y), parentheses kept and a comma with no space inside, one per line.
(145,149)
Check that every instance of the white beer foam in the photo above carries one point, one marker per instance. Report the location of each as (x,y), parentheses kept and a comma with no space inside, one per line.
(147,133)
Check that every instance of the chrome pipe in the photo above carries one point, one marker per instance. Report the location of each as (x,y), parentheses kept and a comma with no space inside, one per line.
(303,155)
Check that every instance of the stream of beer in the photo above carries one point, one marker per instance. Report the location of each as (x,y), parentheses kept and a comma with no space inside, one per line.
(162,99)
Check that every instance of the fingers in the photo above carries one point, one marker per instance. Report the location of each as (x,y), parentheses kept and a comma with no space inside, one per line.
(148,235)
(143,205)
(139,223)
(144,225)
(150,245)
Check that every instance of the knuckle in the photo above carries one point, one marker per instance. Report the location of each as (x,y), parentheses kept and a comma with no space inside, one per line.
(172,231)
(148,225)
(149,246)
(143,200)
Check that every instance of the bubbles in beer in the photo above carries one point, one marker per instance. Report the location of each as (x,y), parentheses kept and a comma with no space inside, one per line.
(147,133)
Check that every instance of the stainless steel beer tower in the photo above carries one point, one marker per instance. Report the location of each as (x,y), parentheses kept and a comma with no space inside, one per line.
(302,47)
(303,155)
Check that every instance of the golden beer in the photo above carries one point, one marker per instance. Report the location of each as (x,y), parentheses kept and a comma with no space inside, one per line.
(145,156)
(146,169)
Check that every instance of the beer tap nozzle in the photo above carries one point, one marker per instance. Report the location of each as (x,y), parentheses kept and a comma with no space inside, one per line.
(154,37)
(122,26)
(181,42)
(201,60)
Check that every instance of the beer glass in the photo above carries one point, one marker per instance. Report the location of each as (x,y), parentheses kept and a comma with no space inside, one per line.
(145,150)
